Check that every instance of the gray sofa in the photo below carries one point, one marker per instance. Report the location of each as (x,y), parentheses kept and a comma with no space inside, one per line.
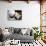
(22,38)
(17,35)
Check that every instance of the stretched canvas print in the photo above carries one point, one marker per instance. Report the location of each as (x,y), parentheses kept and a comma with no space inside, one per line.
(14,15)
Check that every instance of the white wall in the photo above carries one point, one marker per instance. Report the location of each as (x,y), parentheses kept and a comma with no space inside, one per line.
(30,14)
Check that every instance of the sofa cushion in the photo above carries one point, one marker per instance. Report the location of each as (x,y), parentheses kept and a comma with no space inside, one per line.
(22,38)
(17,30)
(11,30)
(23,31)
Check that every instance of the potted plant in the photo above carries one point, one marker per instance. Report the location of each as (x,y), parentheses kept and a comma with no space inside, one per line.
(37,33)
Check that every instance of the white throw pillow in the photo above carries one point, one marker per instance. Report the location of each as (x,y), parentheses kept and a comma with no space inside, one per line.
(5,32)
(23,31)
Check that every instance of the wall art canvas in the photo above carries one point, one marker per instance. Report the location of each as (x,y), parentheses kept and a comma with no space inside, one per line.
(14,14)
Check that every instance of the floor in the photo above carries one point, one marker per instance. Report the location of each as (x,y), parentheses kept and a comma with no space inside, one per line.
(35,43)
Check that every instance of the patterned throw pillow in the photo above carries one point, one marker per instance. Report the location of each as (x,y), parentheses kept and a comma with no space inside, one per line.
(23,31)
(11,30)
(17,30)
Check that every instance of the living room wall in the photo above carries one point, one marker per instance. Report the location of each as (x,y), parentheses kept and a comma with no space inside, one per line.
(30,14)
